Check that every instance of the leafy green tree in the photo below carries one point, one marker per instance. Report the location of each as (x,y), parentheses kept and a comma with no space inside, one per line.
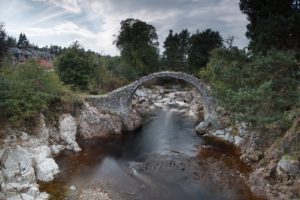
(138,44)
(23,42)
(176,50)
(258,89)
(201,44)
(3,42)
(273,24)
(74,66)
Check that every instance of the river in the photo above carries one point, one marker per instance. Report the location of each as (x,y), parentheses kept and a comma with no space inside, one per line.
(165,159)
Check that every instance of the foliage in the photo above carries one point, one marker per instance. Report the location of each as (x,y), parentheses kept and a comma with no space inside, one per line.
(176,50)
(3,42)
(27,90)
(137,41)
(105,77)
(11,41)
(201,44)
(104,80)
(259,89)
(23,42)
(273,24)
(74,66)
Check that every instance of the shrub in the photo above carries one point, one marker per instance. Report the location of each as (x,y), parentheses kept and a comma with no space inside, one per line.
(258,89)
(27,90)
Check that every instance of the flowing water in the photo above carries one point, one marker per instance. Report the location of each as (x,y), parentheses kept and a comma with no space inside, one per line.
(165,159)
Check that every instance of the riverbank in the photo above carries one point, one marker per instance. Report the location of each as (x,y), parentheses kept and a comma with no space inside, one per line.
(29,155)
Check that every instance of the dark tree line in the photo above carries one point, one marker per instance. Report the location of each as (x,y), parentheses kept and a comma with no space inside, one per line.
(272,24)
(138,44)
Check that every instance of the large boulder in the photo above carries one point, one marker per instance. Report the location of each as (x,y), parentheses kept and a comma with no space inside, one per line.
(46,169)
(288,165)
(17,166)
(17,172)
(67,131)
(94,123)
(45,166)
(211,122)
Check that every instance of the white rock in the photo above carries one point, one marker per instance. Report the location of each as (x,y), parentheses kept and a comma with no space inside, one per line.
(72,187)
(68,130)
(46,169)
(42,130)
(24,136)
(140,93)
(229,138)
(238,140)
(42,152)
(55,149)
(67,127)
(17,197)
(33,191)
(218,132)
(26,197)
(242,128)
(43,196)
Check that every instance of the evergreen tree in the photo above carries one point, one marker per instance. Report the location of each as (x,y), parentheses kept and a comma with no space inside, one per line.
(176,50)
(23,41)
(11,42)
(273,24)
(201,44)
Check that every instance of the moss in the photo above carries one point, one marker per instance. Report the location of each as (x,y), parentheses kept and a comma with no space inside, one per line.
(290,157)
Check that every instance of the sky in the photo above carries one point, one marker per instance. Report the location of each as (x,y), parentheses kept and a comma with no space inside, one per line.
(95,23)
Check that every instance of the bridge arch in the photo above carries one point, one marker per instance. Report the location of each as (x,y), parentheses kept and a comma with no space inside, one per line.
(119,100)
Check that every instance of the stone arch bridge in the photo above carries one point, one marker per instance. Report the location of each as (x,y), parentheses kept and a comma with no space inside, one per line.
(119,101)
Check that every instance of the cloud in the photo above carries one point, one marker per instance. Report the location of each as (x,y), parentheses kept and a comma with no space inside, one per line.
(63,28)
(69,5)
(95,22)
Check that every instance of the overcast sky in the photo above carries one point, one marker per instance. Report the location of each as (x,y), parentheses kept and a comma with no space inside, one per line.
(95,22)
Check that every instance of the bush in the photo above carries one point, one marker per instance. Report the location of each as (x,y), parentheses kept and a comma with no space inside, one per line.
(259,89)
(75,66)
(27,90)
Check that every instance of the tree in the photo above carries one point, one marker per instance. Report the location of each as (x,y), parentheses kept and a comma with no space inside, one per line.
(138,44)
(3,42)
(273,24)
(11,42)
(23,42)
(258,89)
(201,44)
(74,66)
(176,50)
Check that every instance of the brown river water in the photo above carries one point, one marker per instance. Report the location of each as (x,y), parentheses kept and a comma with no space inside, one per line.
(163,160)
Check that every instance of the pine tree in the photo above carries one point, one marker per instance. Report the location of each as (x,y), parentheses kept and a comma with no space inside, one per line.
(23,41)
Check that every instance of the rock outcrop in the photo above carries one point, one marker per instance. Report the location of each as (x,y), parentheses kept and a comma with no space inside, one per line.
(18,179)
(96,123)
(67,130)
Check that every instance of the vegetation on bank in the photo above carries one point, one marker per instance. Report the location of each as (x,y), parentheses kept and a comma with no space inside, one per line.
(261,85)
(259,89)
(28,89)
